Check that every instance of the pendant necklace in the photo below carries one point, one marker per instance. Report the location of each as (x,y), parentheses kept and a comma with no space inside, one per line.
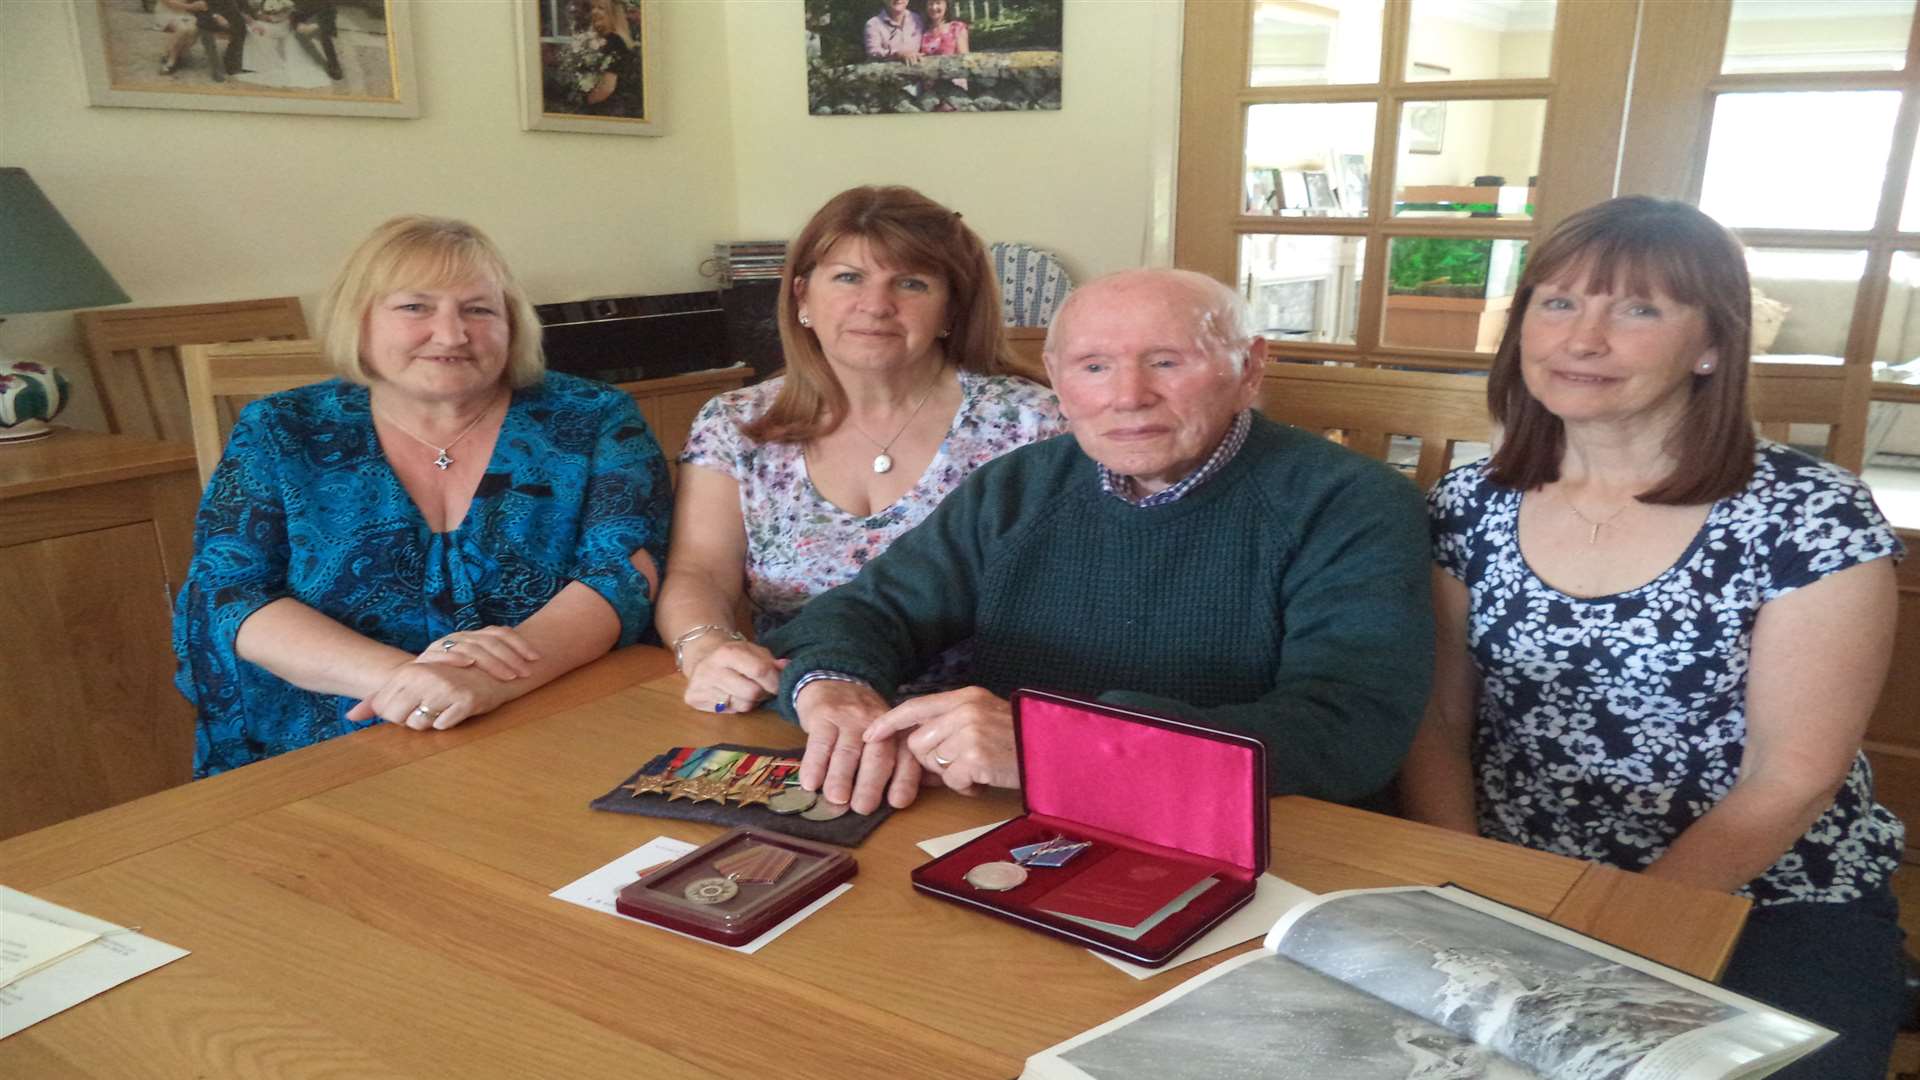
(1594,527)
(883,461)
(443,462)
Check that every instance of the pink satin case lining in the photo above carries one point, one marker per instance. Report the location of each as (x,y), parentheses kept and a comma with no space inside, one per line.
(1165,786)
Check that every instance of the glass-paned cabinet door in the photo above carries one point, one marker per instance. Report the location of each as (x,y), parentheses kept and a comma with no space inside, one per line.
(1480,39)
(1799,159)
(1817,35)
(1302,287)
(1468,158)
(1315,42)
(1309,160)
(1449,292)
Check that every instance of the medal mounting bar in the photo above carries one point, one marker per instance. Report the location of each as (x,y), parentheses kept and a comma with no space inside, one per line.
(1173,814)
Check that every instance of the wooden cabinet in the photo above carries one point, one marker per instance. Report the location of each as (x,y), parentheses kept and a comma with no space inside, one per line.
(1893,737)
(95,535)
(671,403)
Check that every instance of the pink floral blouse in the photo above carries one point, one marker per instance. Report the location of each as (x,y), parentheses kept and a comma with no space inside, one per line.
(800,545)
(942,42)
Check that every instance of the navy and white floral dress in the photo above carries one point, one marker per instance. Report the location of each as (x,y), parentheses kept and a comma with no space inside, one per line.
(1609,724)
(304,505)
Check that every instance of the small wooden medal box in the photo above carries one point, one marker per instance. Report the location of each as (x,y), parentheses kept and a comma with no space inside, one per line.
(1157,797)
(682,895)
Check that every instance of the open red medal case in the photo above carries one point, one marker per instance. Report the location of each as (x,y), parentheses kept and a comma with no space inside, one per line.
(1165,803)
(735,916)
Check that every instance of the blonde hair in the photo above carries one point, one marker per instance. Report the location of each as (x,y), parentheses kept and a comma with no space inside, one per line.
(415,251)
(907,231)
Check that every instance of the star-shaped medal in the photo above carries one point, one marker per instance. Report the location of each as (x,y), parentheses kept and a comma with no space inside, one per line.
(753,794)
(705,789)
(650,784)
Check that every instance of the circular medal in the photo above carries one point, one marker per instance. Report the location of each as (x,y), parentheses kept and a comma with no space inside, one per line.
(997,876)
(824,811)
(712,890)
(792,801)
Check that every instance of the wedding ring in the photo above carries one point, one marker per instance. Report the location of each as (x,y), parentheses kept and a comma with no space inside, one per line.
(424,711)
(447,644)
(941,761)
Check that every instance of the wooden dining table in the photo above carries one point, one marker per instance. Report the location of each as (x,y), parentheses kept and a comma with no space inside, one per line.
(378,905)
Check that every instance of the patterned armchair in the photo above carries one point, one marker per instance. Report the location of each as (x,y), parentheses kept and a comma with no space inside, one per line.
(1033,284)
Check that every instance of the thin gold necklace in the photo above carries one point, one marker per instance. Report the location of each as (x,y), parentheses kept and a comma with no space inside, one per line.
(442,462)
(1593,533)
(883,461)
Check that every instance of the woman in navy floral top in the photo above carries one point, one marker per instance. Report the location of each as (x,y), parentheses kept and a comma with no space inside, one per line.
(436,532)
(1660,638)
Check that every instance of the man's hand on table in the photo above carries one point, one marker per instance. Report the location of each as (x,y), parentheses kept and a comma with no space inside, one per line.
(839,761)
(964,737)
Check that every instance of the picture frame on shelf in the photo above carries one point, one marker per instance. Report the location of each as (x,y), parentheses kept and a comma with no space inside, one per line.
(589,66)
(1262,191)
(1293,190)
(1319,192)
(1350,172)
(292,56)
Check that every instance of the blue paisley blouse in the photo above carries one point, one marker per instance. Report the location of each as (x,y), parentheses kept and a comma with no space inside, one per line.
(1609,724)
(304,505)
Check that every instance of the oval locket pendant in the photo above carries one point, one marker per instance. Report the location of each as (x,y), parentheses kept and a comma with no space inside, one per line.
(883,463)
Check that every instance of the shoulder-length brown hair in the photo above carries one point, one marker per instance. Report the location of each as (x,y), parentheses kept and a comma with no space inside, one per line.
(414,251)
(1641,246)
(909,232)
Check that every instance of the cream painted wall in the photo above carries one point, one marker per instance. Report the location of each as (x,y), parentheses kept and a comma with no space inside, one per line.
(579,215)
(1091,182)
(187,207)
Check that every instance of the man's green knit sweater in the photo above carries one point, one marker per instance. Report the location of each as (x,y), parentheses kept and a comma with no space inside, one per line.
(1286,597)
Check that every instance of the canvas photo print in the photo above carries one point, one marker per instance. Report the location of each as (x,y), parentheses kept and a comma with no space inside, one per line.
(279,48)
(932,56)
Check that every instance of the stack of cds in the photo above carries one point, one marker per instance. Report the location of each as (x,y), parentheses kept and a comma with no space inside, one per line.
(749,260)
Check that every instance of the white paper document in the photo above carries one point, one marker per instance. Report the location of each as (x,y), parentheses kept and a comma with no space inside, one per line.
(110,956)
(1271,896)
(29,943)
(599,889)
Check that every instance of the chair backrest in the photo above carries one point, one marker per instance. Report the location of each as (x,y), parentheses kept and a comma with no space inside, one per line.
(1368,406)
(1028,343)
(134,355)
(1033,284)
(1834,395)
(221,379)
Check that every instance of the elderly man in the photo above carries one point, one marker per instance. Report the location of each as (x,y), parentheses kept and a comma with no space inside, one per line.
(1180,554)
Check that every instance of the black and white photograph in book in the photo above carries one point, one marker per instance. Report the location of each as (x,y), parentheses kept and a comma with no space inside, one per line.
(1571,1014)
(1276,1018)
(932,56)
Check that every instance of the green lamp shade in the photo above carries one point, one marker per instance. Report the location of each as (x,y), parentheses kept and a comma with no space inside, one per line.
(44,265)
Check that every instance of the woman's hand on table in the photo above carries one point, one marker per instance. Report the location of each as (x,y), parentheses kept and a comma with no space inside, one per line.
(433,695)
(839,762)
(964,737)
(498,651)
(730,676)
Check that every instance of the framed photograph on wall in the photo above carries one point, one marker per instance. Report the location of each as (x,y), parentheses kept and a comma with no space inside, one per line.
(932,56)
(281,56)
(1423,124)
(589,66)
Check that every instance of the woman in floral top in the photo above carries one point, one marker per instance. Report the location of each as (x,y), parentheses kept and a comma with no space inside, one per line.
(891,327)
(1660,639)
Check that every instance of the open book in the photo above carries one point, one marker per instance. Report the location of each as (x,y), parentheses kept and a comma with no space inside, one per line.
(1434,984)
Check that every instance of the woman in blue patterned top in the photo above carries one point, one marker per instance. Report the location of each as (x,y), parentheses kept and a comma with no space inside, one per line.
(1660,638)
(436,532)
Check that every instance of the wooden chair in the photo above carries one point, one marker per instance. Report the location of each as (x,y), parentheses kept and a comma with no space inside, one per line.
(1028,343)
(134,355)
(220,379)
(1368,406)
(1834,395)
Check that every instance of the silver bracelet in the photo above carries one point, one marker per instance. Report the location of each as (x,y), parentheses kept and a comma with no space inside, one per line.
(687,636)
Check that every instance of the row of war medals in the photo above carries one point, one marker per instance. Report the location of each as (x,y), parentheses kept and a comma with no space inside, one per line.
(714,775)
